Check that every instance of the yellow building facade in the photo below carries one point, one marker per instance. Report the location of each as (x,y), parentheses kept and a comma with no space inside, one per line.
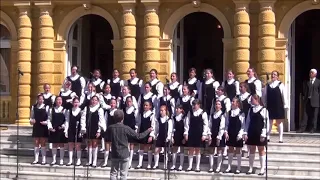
(255,34)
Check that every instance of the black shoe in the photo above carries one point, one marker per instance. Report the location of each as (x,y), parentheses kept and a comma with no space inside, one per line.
(261,174)
(197,170)
(280,141)
(268,140)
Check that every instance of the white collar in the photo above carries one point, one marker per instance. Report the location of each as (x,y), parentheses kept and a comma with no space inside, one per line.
(147,113)
(76,111)
(116,80)
(235,112)
(220,98)
(174,85)
(58,109)
(164,119)
(230,81)
(154,81)
(134,81)
(179,117)
(96,81)
(111,111)
(130,109)
(94,108)
(209,81)
(244,96)
(192,80)
(40,106)
(217,114)
(197,112)
(250,80)
(148,95)
(167,97)
(46,95)
(186,98)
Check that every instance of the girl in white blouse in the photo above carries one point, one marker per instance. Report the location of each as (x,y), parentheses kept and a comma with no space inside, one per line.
(106,97)
(163,133)
(116,83)
(225,101)
(39,120)
(148,96)
(146,120)
(276,102)
(178,139)
(175,87)
(235,123)
(156,84)
(121,101)
(255,85)
(56,125)
(167,100)
(97,82)
(193,83)
(67,95)
(130,119)
(94,123)
(86,97)
(255,132)
(216,136)
(186,100)
(72,131)
(48,97)
(231,85)
(109,121)
(195,133)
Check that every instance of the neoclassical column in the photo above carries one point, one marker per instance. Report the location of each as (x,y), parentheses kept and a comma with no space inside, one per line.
(46,46)
(24,62)
(151,54)
(241,43)
(128,33)
(266,40)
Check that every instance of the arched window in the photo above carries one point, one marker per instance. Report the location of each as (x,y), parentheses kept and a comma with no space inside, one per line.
(5,49)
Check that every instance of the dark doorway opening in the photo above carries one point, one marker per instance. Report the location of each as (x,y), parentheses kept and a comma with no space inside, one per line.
(307,54)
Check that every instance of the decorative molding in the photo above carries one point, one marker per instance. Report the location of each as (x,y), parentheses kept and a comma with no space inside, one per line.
(165,44)
(315,2)
(242,5)
(59,45)
(266,4)
(128,8)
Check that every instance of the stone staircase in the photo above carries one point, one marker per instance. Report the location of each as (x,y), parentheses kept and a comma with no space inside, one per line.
(297,158)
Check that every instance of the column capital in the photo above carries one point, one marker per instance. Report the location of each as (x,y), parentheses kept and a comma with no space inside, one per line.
(151,5)
(267,4)
(45,7)
(242,5)
(128,8)
(24,7)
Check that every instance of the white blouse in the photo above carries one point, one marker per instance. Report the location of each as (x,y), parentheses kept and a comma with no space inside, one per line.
(159,87)
(226,102)
(186,99)
(198,85)
(104,105)
(41,106)
(74,112)
(174,85)
(154,100)
(204,118)
(234,113)
(106,115)
(215,86)
(65,92)
(236,83)
(56,110)
(123,100)
(102,121)
(264,113)
(244,96)
(258,85)
(172,102)
(170,127)
(75,77)
(152,119)
(283,92)
(222,124)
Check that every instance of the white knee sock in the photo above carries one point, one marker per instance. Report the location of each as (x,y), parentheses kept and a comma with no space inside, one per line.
(54,154)
(174,159)
(90,155)
(230,158)
(225,151)
(78,157)
(165,160)
(36,154)
(106,156)
(61,153)
(198,159)
(190,158)
(130,158)
(280,128)
(219,161)
(43,153)
(181,158)
(238,161)
(251,160)
(94,156)
(156,160)
(211,161)
(140,157)
(262,163)
(70,157)
(149,158)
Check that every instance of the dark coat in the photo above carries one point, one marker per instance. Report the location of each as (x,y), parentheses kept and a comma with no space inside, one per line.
(313,91)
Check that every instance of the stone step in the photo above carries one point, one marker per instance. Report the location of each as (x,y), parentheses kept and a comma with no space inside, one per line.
(292,171)
(277,162)
(33,175)
(270,154)
(271,146)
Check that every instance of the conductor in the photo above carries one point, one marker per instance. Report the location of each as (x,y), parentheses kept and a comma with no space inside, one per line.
(119,134)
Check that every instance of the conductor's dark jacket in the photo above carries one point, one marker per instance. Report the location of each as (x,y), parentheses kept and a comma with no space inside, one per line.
(312,92)
(119,134)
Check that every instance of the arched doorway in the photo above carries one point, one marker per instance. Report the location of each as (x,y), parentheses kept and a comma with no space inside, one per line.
(197,42)
(89,45)
(5,50)
(303,55)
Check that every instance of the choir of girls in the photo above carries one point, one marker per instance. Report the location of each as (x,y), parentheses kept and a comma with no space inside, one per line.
(192,114)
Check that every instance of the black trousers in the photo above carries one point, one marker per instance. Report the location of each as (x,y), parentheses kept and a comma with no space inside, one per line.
(310,117)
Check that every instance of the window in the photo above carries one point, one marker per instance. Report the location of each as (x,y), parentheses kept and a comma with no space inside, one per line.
(5,51)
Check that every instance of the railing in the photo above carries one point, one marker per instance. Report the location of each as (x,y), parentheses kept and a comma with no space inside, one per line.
(5,102)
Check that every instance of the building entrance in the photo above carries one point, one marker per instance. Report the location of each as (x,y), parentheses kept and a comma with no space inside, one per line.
(303,55)
(90,47)
(198,43)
